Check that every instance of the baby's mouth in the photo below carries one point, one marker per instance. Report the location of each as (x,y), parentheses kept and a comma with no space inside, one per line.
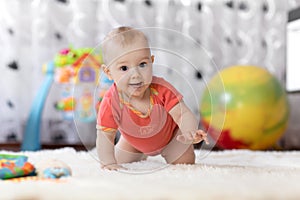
(136,85)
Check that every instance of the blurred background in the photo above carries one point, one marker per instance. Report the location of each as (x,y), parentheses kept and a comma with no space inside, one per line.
(232,32)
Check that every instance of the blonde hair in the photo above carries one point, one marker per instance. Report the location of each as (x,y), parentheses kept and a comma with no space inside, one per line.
(122,36)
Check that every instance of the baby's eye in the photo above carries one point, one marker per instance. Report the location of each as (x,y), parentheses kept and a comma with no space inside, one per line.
(123,68)
(143,64)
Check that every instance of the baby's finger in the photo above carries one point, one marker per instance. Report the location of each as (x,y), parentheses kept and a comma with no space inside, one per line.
(197,137)
(200,132)
(202,136)
(206,140)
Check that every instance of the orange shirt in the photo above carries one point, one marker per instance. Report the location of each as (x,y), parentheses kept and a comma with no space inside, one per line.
(148,134)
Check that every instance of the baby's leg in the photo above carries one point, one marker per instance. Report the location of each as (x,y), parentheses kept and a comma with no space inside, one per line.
(125,153)
(178,153)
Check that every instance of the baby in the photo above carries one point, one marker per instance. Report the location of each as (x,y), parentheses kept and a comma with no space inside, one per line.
(148,111)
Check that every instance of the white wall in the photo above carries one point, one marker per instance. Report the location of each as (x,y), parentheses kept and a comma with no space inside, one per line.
(210,35)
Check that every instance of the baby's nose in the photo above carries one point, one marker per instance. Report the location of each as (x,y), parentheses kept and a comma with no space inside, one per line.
(135,71)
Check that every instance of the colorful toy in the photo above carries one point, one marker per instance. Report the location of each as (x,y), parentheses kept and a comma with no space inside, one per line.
(68,56)
(86,105)
(12,166)
(71,68)
(66,104)
(254,108)
(77,68)
(53,169)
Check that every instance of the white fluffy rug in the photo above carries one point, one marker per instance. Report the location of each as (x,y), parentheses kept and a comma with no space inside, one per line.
(238,174)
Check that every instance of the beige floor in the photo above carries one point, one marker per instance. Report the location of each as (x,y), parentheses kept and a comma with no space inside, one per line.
(238,174)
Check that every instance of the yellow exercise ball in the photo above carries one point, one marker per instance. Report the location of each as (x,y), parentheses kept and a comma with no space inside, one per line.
(244,107)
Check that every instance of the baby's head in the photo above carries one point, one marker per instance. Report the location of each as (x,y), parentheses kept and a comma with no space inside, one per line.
(127,60)
(122,40)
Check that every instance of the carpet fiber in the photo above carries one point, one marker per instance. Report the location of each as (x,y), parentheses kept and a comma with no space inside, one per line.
(236,174)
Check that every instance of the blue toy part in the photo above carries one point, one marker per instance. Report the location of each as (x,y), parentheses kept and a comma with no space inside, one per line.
(105,81)
(56,172)
(31,137)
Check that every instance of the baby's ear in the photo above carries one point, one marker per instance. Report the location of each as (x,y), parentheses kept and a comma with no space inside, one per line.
(152,58)
(106,71)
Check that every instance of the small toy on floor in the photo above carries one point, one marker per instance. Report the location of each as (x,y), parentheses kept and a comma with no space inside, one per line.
(12,166)
(53,169)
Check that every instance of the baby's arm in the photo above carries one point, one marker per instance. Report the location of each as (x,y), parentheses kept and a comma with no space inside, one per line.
(188,124)
(106,149)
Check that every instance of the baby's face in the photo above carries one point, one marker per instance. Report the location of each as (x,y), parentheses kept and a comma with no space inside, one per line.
(131,69)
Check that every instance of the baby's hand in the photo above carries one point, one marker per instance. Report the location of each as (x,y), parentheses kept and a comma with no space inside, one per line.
(113,167)
(193,137)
